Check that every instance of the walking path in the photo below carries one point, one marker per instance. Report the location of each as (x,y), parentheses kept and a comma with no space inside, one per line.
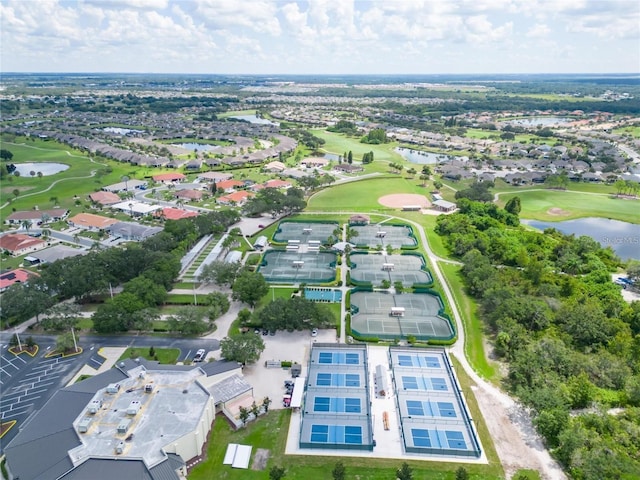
(515,439)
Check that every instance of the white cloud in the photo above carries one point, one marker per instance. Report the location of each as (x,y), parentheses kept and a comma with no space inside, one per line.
(539,30)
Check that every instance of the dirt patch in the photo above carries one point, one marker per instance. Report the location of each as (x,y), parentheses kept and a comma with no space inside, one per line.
(260,459)
(558,212)
(399,200)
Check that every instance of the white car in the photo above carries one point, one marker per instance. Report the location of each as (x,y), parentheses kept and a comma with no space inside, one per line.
(199,355)
(314,332)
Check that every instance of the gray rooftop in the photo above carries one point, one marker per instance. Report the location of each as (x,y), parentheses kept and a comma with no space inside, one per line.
(57,252)
(229,388)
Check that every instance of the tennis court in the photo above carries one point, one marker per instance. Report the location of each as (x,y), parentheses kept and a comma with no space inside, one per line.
(280,266)
(337,408)
(304,232)
(375,268)
(389,316)
(433,415)
(398,236)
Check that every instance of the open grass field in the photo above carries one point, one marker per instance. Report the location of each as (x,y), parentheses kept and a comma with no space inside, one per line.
(235,113)
(338,143)
(633,131)
(363,195)
(473,328)
(536,205)
(82,177)
(495,135)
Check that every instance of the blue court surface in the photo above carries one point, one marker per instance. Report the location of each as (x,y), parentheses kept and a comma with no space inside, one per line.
(326,295)
(336,412)
(433,416)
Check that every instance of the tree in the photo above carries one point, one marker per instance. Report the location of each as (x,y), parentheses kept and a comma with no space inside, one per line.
(250,287)
(338,471)
(242,348)
(255,409)
(405,472)
(188,321)
(633,270)
(513,205)
(65,342)
(118,314)
(350,157)
(276,473)
(244,415)
(63,316)
(5,154)
(462,474)
(266,401)
(148,291)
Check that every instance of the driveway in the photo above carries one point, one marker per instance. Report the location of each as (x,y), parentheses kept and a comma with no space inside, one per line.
(291,346)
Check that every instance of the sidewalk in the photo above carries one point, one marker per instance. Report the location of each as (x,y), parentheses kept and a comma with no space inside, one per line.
(112,354)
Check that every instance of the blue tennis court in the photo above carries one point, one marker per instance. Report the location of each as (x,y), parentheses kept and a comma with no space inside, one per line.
(450,439)
(337,405)
(339,358)
(345,434)
(429,408)
(410,382)
(337,380)
(418,361)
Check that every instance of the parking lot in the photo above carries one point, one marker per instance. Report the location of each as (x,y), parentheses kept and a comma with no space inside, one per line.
(284,346)
(28,382)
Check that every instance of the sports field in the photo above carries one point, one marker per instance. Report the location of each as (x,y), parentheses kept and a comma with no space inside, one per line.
(420,316)
(280,266)
(556,205)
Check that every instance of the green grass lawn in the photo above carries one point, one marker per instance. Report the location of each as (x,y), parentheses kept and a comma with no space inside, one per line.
(362,196)
(473,327)
(270,432)
(167,356)
(338,143)
(633,131)
(536,205)
(35,191)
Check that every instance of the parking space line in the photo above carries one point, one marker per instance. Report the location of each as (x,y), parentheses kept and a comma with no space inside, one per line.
(21,359)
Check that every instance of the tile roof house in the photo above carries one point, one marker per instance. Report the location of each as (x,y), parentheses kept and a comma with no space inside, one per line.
(277,184)
(229,185)
(104,198)
(189,194)
(19,275)
(18,244)
(236,198)
(215,177)
(274,167)
(167,178)
(91,221)
(170,213)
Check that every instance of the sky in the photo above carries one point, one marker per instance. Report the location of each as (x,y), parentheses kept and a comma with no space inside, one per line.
(320,36)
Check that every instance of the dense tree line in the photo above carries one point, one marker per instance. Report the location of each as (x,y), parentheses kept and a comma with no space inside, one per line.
(275,202)
(146,269)
(375,136)
(291,314)
(345,127)
(570,340)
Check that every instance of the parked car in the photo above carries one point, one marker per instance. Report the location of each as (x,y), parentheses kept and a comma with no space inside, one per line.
(289,383)
(286,401)
(314,332)
(199,355)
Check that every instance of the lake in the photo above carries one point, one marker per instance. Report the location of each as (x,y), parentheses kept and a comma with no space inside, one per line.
(622,237)
(424,158)
(47,168)
(254,119)
(201,147)
(544,121)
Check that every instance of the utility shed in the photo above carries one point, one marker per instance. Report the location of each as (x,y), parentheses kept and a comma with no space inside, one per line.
(382,386)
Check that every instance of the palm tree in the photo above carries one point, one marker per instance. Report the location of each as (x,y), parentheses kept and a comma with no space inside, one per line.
(46,233)
(26,224)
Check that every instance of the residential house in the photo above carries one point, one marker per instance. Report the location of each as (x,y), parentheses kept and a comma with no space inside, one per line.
(19,244)
(277,184)
(274,167)
(348,168)
(229,185)
(169,178)
(315,162)
(37,217)
(132,231)
(170,213)
(238,198)
(104,198)
(19,275)
(214,177)
(127,186)
(92,222)
(189,195)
